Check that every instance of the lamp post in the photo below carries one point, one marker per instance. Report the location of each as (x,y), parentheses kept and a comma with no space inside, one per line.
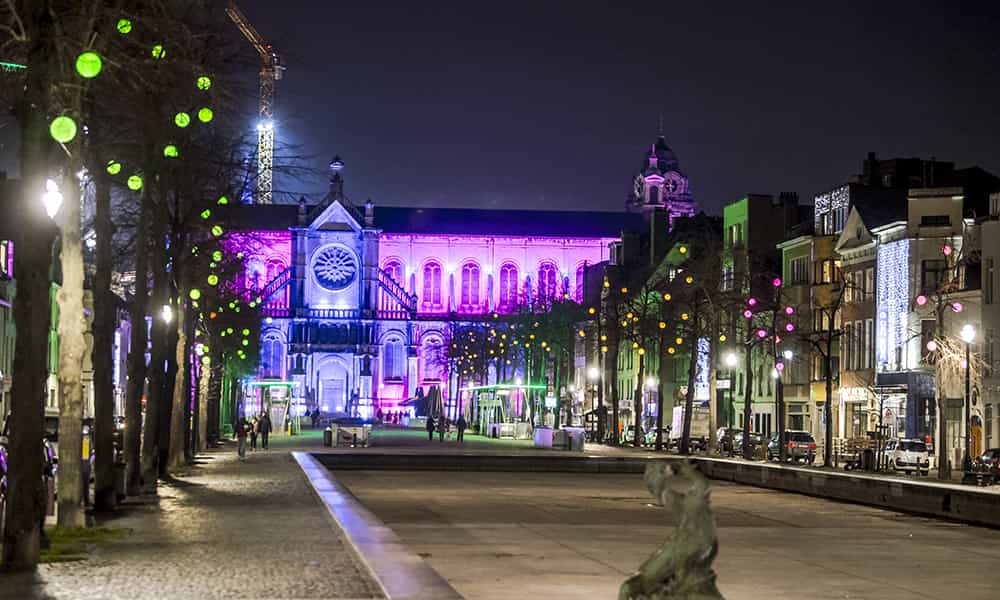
(731,362)
(968,335)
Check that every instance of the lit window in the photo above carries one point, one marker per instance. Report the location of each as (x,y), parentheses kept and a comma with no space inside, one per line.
(470,285)
(394,269)
(547,281)
(393,360)
(508,286)
(432,284)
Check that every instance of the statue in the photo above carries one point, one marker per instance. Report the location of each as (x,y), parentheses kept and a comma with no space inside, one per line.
(681,569)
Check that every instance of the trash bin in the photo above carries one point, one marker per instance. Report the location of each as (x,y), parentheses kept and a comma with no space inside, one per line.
(868,459)
(327,437)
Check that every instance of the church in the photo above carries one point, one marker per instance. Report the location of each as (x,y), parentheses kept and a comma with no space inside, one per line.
(359,299)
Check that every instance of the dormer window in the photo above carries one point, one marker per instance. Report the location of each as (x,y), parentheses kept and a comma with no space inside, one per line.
(654,194)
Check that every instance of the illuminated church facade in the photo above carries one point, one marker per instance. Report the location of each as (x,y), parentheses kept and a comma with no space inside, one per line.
(359,300)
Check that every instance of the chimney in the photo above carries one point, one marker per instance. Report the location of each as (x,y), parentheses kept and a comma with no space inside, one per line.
(369,213)
(302,211)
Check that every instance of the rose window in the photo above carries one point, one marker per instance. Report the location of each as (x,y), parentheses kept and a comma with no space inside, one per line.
(334,268)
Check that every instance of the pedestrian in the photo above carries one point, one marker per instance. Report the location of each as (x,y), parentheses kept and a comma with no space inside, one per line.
(378,416)
(241,438)
(253,433)
(430,428)
(461,425)
(265,429)
(442,427)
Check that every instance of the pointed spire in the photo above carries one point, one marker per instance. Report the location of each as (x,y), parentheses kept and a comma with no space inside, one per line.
(660,129)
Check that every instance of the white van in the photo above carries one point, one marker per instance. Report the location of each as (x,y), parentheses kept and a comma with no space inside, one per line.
(909,456)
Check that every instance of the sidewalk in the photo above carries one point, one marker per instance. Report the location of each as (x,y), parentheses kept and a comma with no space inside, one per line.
(227,529)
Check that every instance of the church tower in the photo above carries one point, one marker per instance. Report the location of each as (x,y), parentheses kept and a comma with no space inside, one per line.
(661,185)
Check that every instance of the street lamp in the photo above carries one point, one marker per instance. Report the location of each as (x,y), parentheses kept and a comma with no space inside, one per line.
(168,314)
(52,198)
(968,335)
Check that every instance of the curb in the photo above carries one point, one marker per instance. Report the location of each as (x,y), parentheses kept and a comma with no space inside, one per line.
(399,572)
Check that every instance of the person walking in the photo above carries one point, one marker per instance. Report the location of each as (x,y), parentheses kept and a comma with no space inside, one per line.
(241,438)
(264,423)
(461,425)
(430,428)
(254,425)
(442,427)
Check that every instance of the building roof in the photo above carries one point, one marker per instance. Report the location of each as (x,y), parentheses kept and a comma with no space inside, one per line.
(474,221)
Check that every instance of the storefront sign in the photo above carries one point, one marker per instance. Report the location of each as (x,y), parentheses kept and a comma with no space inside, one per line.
(722,384)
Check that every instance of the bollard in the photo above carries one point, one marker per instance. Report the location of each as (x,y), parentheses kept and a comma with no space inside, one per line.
(354,440)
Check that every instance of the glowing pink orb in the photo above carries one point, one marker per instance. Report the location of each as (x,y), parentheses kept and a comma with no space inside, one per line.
(777,339)
(965,365)
(761,333)
(748,313)
(932,346)
(789,310)
(921,300)
(776,282)
(752,301)
(957,307)
(789,327)
(780,366)
(947,250)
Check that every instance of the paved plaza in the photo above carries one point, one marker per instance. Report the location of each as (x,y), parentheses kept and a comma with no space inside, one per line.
(554,535)
(229,529)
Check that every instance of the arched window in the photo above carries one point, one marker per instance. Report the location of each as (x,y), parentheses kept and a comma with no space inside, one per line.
(578,292)
(393,360)
(508,286)
(654,194)
(432,284)
(274,268)
(395,270)
(433,358)
(272,358)
(547,277)
(470,285)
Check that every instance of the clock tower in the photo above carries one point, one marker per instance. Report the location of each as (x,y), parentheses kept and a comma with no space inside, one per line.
(661,185)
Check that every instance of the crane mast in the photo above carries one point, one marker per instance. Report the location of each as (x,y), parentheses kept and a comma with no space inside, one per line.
(270,72)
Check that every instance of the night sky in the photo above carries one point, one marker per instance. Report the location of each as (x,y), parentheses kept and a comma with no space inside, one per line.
(552,104)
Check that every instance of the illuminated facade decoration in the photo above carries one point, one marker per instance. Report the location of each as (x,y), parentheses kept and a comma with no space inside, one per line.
(892,303)
(360,300)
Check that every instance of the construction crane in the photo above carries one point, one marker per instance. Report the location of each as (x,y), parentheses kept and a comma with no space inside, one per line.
(270,71)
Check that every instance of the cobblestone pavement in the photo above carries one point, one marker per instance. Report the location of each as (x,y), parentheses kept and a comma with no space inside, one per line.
(227,529)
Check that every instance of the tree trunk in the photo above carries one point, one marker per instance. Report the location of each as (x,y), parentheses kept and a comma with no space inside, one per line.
(33,240)
(158,355)
(213,401)
(178,415)
(828,408)
(637,401)
(779,401)
(137,371)
(168,394)
(557,387)
(689,397)
(663,373)
(102,354)
(612,380)
(71,348)
(747,398)
(713,393)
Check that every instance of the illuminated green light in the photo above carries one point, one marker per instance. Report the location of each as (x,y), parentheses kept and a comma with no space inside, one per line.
(232,305)
(206,213)
(114,167)
(246,342)
(212,265)
(206,360)
(124,26)
(88,64)
(194,250)
(237,309)
(63,129)
(194,294)
(216,230)
(239,255)
(223,201)
(204,83)
(158,52)
(134,183)
(253,304)
(10,65)
(229,329)
(213,279)
(182,119)
(170,151)
(205,115)
(246,332)
(269,320)
(217,255)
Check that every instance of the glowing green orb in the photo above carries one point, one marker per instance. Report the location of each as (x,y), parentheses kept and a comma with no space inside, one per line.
(170,151)
(205,114)
(205,360)
(124,26)
(88,64)
(194,250)
(211,265)
(204,82)
(217,255)
(246,342)
(216,230)
(223,201)
(158,52)
(182,119)
(239,255)
(253,304)
(114,167)
(134,183)
(63,129)
(213,279)
(269,320)
(206,213)
(246,332)
(194,294)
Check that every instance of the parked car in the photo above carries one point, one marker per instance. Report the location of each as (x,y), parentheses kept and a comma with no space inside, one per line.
(908,456)
(724,439)
(649,439)
(628,435)
(989,462)
(49,467)
(801,447)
